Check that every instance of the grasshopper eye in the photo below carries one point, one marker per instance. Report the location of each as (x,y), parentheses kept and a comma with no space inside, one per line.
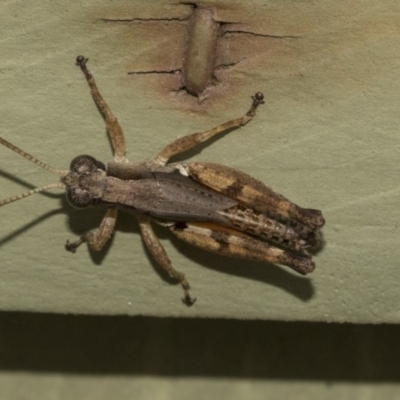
(85,163)
(79,198)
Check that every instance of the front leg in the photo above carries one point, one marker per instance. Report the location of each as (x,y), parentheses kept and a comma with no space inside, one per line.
(160,255)
(113,127)
(96,238)
(189,141)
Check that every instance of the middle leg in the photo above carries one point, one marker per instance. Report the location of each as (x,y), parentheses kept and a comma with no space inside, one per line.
(160,255)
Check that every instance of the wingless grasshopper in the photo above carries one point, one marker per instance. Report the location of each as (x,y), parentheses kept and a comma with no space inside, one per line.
(211,206)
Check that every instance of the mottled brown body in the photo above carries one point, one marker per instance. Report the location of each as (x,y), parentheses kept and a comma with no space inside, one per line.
(211,206)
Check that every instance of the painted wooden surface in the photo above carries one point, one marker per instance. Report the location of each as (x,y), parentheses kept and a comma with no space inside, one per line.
(327,138)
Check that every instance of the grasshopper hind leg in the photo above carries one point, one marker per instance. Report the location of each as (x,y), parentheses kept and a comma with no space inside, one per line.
(229,242)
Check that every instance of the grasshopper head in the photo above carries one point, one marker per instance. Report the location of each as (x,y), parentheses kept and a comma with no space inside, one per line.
(84,182)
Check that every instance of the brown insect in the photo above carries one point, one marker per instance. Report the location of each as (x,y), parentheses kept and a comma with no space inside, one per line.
(211,206)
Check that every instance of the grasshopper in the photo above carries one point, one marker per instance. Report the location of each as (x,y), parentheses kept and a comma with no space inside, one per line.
(211,206)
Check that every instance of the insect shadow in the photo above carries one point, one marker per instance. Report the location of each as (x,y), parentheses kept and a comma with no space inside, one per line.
(79,220)
(12,235)
(268,273)
(265,272)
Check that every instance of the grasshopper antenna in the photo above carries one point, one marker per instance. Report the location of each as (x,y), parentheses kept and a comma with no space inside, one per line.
(20,196)
(60,172)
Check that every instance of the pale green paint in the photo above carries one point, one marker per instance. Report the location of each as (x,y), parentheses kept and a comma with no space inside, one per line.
(327,138)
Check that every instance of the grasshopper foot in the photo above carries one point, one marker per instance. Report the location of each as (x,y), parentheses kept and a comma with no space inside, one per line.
(187,299)
(258,99)
(81,62)
(72,246)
